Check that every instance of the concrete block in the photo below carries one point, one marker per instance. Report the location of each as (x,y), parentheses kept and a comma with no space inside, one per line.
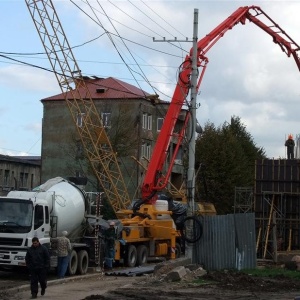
(167,266)
(193,267)
(176,274)
(200,272)
(296,258)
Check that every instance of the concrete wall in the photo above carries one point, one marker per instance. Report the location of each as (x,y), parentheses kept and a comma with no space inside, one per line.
(62,153)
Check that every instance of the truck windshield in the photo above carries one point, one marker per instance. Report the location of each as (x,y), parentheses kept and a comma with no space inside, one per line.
(15,216)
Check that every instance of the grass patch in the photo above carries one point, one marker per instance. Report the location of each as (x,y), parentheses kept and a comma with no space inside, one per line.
(272,272)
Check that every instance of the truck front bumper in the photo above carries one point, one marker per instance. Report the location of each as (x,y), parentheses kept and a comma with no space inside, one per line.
(12,258)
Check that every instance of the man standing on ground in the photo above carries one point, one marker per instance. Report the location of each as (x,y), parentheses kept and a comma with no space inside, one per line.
(110,238)
(38,262)
(63,250)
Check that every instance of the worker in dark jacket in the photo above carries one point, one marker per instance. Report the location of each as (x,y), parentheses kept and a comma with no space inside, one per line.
(38,262)
(290,144)
(110,236)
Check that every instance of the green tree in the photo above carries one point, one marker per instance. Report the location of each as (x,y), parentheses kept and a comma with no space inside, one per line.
(228,153)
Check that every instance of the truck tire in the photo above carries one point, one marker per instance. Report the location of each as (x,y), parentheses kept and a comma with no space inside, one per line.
(83,262)
(142,255)
(73,262)
(131,256)
(177,250)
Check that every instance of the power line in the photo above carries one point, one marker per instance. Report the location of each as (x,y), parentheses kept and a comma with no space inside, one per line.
(162,18)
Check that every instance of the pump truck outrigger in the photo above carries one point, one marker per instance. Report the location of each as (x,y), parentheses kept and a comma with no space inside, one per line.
(148,229)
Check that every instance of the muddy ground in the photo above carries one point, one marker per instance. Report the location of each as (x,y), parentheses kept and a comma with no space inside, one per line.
(215,285)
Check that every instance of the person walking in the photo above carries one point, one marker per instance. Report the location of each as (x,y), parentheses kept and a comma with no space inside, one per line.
(38,262)
(290,144)
(110,236)
(63,249)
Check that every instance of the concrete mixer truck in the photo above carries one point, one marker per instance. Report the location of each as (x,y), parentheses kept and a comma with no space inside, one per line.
(45,212)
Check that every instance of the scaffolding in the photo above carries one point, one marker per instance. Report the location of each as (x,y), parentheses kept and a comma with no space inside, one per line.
(243,200)
(277,208)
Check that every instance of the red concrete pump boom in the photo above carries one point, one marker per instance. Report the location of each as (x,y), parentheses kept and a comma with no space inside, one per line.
(154,180)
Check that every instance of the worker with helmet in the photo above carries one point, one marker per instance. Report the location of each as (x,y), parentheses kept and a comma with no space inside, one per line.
(110,236)
(290,144)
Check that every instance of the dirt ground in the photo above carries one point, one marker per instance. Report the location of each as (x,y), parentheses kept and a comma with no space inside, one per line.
(215,285)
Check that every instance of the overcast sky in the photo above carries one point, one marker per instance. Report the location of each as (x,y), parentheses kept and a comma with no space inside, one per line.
(247,76)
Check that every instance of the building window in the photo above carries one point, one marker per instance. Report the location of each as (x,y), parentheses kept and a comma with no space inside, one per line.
(149,125)
(31,181)
(143,150)
(21,179)
(79,150)
(106,119)
(147,121)
(6,178)
(12,178)
(159,123)
(148,151)
(80,118)
(144,126)
(25,182)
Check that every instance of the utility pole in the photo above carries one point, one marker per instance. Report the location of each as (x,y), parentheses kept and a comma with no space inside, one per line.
(192,133)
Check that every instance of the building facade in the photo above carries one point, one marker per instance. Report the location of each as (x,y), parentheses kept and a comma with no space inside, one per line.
(19,173)
(132,121)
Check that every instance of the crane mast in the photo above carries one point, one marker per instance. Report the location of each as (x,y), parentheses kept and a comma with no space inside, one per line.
(154,179)
(92,133)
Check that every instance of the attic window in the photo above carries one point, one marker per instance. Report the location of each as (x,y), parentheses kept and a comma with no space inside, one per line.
(100,90)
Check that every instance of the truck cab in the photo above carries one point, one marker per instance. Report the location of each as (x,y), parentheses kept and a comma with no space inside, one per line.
(20,221)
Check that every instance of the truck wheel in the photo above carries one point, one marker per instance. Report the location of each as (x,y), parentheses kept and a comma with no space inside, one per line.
(83,262)
(73,262)
(177,250)
(131,256)
(142,255)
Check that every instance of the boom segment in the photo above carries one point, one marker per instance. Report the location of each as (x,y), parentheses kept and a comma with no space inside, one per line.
(154,179)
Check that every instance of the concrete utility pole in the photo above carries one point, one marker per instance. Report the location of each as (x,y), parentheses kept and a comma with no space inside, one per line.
(192,131)
(192,135)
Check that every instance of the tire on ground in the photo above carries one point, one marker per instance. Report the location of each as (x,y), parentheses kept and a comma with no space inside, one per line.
(142,255)
(73,262)
(83,262)
(131,257)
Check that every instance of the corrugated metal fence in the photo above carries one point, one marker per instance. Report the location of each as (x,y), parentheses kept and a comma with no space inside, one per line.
(228,242)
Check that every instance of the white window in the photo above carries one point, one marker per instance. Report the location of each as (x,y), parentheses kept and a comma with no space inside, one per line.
(80,118)
(144,126)
(159,123)
(106,119)
(143,150)
(149,125)
(148,151)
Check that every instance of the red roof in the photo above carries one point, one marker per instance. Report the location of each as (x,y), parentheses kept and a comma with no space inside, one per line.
(109,88)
